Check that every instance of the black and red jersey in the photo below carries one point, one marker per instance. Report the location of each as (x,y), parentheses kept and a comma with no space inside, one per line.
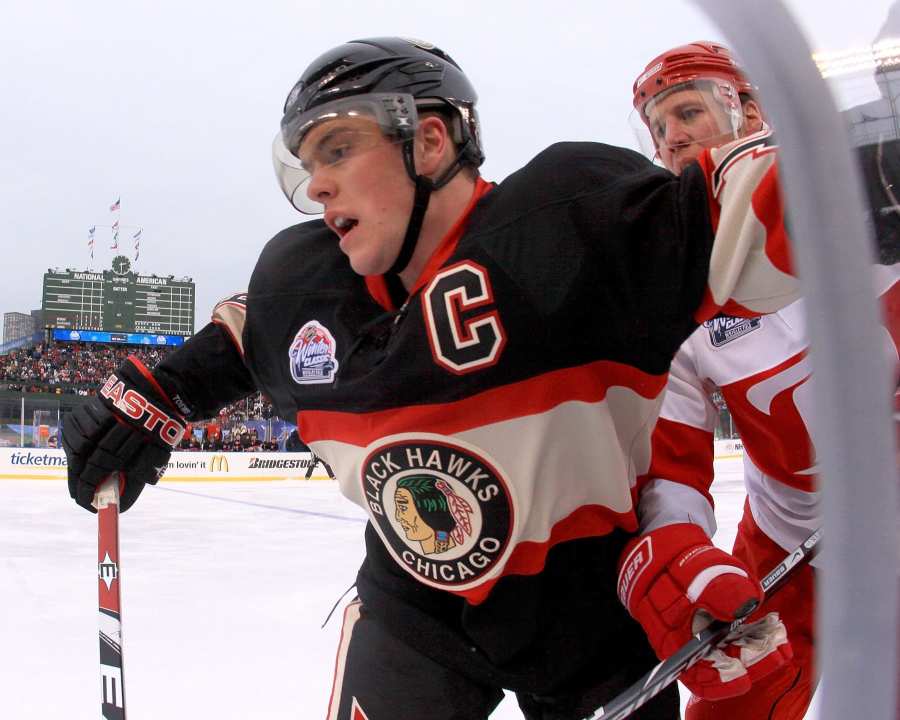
(494,421)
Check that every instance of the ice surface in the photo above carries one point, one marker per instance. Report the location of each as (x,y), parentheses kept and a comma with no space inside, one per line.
(224,589)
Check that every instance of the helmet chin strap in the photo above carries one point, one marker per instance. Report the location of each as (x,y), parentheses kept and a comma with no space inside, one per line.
(423,188)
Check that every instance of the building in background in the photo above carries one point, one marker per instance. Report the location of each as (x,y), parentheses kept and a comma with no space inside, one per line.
(17,325)
(867,84)
(37,317)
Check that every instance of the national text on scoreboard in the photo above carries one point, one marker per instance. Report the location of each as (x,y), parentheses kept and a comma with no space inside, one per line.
(118,300)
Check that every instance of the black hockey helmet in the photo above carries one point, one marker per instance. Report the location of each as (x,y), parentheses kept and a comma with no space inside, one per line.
(387,66)
(391,80)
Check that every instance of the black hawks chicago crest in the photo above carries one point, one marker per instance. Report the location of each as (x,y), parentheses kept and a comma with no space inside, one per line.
(443,511)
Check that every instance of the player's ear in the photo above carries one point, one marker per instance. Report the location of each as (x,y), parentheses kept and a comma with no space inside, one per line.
(432,142)
(753,117)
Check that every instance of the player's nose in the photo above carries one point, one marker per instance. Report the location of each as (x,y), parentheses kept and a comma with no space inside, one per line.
(676,133)
(322,186)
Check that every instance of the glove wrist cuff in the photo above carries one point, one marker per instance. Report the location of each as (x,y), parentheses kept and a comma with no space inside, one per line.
(134,395)
(646,556)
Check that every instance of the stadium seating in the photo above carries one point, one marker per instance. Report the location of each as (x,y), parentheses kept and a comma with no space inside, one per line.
(79,369)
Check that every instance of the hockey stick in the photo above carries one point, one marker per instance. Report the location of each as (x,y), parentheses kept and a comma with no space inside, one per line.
(703,642)
(106,500)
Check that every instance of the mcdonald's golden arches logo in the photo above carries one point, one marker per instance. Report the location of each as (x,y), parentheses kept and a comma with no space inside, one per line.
(217,463)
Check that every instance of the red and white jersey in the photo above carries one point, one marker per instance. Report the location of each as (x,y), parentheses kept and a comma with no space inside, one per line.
(762,369)
(887,287)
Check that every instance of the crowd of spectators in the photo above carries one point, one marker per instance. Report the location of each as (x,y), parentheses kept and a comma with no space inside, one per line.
(80,368)
(255,407)
(215,438)
(77,368)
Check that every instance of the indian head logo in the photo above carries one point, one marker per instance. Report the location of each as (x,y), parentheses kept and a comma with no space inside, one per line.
(443,510)
(313,355)
(431,513)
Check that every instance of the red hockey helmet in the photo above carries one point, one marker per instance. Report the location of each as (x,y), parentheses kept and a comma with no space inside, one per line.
(683,64)
(686,99)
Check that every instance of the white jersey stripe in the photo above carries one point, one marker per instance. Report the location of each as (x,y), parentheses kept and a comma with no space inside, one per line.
(351,617)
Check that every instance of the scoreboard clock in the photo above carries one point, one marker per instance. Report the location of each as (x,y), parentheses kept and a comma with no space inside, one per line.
(118,300)
(121,265)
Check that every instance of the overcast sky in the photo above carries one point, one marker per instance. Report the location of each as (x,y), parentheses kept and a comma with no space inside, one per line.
(172,106)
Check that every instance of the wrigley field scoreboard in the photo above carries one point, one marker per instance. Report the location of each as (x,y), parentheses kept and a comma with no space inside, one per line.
(118,300)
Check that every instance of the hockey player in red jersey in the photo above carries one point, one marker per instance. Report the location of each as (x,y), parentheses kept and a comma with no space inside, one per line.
(689,99)
(481,365)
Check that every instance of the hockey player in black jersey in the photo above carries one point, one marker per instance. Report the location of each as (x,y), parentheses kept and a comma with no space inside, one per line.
(481,365)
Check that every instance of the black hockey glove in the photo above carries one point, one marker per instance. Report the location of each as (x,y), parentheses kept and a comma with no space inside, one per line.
(131,427)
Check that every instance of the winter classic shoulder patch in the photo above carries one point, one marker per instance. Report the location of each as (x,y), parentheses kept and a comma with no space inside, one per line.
(724,328)
(313,354)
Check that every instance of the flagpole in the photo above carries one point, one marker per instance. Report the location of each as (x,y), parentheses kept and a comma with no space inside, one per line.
(116,207)
(115,228)
(137,243)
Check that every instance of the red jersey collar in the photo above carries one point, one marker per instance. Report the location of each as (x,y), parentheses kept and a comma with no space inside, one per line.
(377,285)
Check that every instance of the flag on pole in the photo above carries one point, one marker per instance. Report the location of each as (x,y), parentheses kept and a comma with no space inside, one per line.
(137,244)
(91,231)
(115,205)
(115,245)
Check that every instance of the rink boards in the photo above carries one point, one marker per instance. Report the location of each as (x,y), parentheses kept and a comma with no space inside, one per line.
(50,464)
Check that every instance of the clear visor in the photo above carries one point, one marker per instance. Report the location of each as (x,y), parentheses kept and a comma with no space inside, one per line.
(334,133)
(675,126)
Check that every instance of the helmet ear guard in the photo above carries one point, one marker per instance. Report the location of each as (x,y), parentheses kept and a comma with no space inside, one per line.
(462,121)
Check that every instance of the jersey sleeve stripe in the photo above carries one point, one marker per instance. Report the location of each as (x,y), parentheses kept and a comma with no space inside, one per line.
(890,303)
(529,558)
(750,264)
(768,206)
(681,453)
(587,383)
(231,314)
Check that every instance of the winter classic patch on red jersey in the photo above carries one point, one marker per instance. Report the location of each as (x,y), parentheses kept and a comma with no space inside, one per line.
(443,510)
(724,328)
(313,354)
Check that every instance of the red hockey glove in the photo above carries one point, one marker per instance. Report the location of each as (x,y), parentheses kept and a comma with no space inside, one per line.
(674,581)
